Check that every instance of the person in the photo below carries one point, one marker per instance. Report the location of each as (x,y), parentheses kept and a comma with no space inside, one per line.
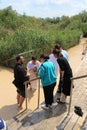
(3,124)
(19,78)
(63,52)
(33,67)
(65,55)
(54,60)
(48,80)
(66,74)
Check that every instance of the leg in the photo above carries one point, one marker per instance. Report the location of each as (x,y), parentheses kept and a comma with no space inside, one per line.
(60,84)
(46,94)
(63,97)
(22,97)
(21,101)
(60,87)
(51,97)
(18,98)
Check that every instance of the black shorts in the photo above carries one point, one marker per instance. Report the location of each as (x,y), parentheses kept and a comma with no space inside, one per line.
(21,92)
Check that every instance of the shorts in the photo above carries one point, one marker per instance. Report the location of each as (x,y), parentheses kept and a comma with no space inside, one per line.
(21,92)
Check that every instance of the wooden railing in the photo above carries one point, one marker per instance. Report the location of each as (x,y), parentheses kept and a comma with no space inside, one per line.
(26,83)
(72,79)
(38,78)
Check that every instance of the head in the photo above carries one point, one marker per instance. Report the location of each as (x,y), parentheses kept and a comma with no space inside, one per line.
(57,46)
(43,57)
(20,59)
(34,60)
(3,125)
(56,53)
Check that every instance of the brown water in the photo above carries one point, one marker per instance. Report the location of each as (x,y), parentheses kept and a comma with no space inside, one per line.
(75,55)
(8,106)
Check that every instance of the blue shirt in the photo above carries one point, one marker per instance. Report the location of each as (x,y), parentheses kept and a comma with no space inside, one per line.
(47,73)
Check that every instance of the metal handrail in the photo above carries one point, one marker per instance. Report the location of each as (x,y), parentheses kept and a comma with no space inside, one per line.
(83,76)
(26,83)
(84,48)
(74,78)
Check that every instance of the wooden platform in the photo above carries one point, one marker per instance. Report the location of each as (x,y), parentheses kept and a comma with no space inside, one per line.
(58,118)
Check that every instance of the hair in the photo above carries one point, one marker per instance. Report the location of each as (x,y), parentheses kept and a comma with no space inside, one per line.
(18,57)
(34,58)
(57,46)
(46,57)
(56,51)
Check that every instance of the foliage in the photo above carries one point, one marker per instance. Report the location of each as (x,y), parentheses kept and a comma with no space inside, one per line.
(84,29)
(21,33)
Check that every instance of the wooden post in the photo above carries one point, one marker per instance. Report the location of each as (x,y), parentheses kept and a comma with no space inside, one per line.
(73,78)
(70,97)
(26,101)
(38,92)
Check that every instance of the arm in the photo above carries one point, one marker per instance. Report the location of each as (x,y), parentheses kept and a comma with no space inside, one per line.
(42,71)
(62,75)
(22,74)
(61,65)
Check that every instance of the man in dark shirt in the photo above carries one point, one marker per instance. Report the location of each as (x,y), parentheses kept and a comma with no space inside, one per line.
(66,74)
(19,78)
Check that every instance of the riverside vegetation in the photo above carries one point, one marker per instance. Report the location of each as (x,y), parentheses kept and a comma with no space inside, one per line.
(21,33)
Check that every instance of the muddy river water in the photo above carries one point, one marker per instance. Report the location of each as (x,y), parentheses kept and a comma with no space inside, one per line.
(8,106)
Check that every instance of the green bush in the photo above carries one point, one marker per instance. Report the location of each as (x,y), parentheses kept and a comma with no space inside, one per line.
(21,33)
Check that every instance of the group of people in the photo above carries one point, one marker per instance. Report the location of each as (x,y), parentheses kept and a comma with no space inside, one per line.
(47,69)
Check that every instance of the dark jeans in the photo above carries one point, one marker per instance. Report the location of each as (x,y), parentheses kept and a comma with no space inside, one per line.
(48,93)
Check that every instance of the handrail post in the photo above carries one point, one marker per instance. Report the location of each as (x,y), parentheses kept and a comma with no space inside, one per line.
(26,83)
(38,92)
(26,102)
(73,78)
(70,96)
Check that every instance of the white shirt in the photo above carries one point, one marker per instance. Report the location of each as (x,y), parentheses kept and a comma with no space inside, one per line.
(30,65)
(32,69)
(65,54)
(54,60)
